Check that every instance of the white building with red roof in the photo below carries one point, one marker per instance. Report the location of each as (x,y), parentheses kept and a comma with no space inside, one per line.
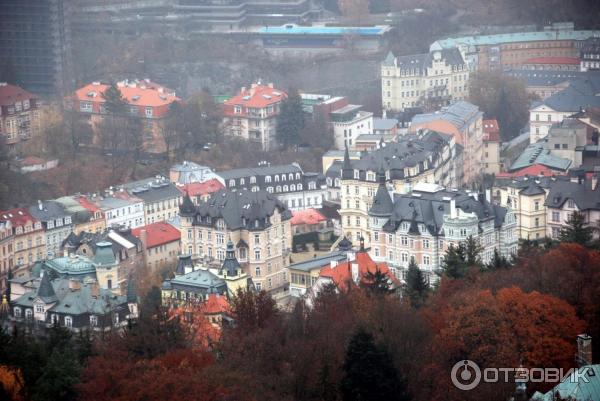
(29,239)
(252,114)
(19,114)
(490,155)
(201,191)
(161,244)
(145,99)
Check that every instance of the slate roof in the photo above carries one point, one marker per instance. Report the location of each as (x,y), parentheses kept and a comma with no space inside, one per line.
(384,123)
(460,114)
(183,261)
(259,171)
(51,210)
(583,195)
(199,279)
(71,266)
(429,208)
(527,185)
(240,209)
(382,202)
(422,61)
(45,291)
(536,153)
(230,265)
(152,190)
(576,389)
(320,261)
(411,150)
(79,214)
(580,94)
(116,238)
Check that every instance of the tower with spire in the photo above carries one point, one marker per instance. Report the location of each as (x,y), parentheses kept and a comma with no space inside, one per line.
(383,205)
(107,269)
(232,272)
(347,170)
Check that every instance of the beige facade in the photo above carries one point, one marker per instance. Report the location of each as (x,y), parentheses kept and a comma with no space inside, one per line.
(162,255)
(491,157)
(29,239)
(525,197)
(6,251)
(19,114)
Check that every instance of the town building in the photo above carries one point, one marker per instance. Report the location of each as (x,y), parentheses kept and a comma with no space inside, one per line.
(56,222)
(257,223)
(19,115)
(77,305)
(427,157)
(29,238)
(84,215)
(120,209)
(544,84)
(319,107)
(567,139)
(511,50)
(303,275)
(127,252)
(289,183)
(161,244)
(552,64)
(464,121)
(368,142)
(590,55)
(37,49)
(161,198)
(424,223)
(538,155)
(201,191)
(252,115)
(30,164)
(146,100)
(579,95)
(385,126)
(431,79)
(526,197)
(348,123)
(491,147)
(7,252)
(188,172)
(567,197)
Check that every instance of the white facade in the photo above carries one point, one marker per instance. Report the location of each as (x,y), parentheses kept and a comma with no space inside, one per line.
(541,118)
(126,214)
(346,132)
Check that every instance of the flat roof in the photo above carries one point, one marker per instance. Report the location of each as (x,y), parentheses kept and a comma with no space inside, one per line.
(293,29)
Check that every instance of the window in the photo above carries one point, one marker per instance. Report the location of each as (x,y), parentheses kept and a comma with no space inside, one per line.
(404,241)
(220,239)
(256,239)
(68,321)
(425,244)
(536,205)
(571,204)
(537,221)
(85,107)
(39,309)
(257,254)
(258,286)
(426,260)
(93,321)
(242,253)
(148,111)
(17,311)
(257,271)
(237,109)
(376,235)
(556,217)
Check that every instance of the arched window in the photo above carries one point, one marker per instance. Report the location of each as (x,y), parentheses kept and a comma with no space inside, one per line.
(278,189)
(268,178)
(297,176)
(283,177)
(270,190)
(253,180)
(292,187)
(299,187)
(291,177)
(257,271)
(285,188)
(232,183)
(276,178)
(242,181)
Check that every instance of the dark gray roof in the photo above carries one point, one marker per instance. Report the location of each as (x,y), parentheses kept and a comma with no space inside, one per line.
(182,262)
(187,207)
(528,185)
(74,241)
(45,291)
(382,202)
(411,150)
(536,153)
(51,210)
(581,93)
(550,78)
(152,189)
(384,123)
(320,261)
(230,265)
(200,280)
(259,171)
(429,208)
(422,61)
(583,195)
(240,209)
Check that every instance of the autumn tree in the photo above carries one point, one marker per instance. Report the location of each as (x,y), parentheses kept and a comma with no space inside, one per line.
(576,230)
(503,98)
(369,372)
(252,310)
(416,287)
(290,120)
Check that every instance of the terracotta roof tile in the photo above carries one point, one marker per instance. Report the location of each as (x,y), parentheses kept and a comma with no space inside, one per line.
(18,216)
(307,216)
(215,304)
(9,94)
(341,274)
(143,93)
(257,96)
(158,234)
(202,188)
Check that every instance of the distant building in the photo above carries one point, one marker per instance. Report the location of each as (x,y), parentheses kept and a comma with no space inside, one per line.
(188,172)
(120,209)
(31,163)
(29,239)
(431,79)
(491,147)
(161,244)
(567,139)
(566,197)
(252,114)
(84,216)
(146,100)
(39,51)
(56,223)
(537,154)
(71,303)
(544,84)
(19,114)
(424,223)
(7,251)
(303,275)
(552,63)
(385,126)
(161,198)
(201,191)
(257,223)
(590,55)
(289,183)
(348,123)
(427,157)
(464,121)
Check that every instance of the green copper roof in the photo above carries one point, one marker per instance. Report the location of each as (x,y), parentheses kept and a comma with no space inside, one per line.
(104,254)
(71,265)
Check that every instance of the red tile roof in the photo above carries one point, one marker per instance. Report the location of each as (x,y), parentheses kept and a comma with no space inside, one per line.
(9,94)
(143,93)
(85,202)
(202,188)
(342,273)
(215,304)
(308,216)
(32,161)
(257,96)
(18,216)
(491,131)
(552,60)
(158,234)
(533,171)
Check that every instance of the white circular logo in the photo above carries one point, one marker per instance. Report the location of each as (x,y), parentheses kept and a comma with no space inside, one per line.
(466,375)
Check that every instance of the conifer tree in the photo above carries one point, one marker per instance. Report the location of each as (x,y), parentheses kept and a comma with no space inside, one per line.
(290,120)
(576,230)
(416,287)
(377,283)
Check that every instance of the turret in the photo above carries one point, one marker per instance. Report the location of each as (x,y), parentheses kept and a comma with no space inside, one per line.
(45,291)
(347,170)
(184,265)
(187,207)
(383,206)
(231,266)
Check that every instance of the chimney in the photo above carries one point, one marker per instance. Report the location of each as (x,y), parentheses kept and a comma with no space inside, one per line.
(40,205)
(355,275)
(333,263)
(488,195)
(243,89)
(594,181)
(271,85)
(584,350)
(452,208)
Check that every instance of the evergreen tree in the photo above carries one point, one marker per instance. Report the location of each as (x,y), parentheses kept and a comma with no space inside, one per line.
(114,103)
(377,283)
(290,120)
(577,230)
(416,287)
(498,262)
(458,259)
(369,372)
(59,377)
(473,251)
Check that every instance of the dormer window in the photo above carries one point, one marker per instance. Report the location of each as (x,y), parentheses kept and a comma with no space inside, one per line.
(356,174)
